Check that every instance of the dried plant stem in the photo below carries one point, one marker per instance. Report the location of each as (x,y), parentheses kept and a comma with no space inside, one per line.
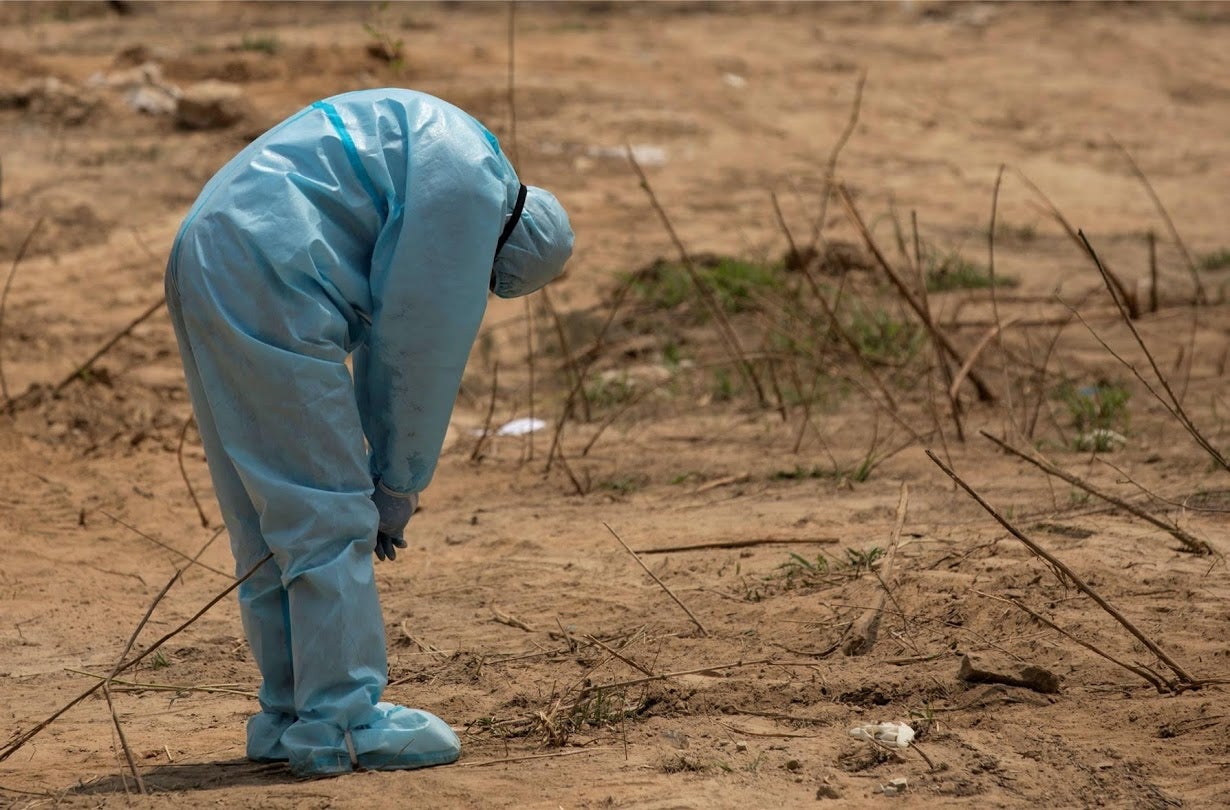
(730,339)
(136,686)
(1175,405)
(668,675)
(1073,577)
(528,441)
(984,392)
(164,545)
(999,330)
(1201,296)
(862,634)
(661,584)
(578,384)
(1120,290)
(80,370)
(1190,543)
(183,472)
(741,543)
(4,297)
(612,651)
(570,362)
(995,331)
(1153,302)
(119,730)
(22,739)
(554,755)
(1153,678)
(830,167)
(483,437)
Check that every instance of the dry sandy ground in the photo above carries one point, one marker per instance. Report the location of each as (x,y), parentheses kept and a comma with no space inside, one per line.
(725,105)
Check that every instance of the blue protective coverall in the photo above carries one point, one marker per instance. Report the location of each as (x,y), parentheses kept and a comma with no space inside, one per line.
(366,225)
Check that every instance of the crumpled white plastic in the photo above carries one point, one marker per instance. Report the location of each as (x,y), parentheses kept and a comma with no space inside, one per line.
(895,734)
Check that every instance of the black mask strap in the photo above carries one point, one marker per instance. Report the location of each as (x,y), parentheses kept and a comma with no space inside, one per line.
(511,225)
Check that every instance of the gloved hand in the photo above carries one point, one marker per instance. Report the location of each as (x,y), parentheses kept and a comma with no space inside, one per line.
(395,510)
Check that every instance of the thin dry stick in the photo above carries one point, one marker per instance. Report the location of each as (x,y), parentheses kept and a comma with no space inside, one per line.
(996,330)
(166,546)
(22,739)
(730,340)
(592,354)
(512,79)
(950,392)
(862,634)
(1201,296)
(555,755)
(528,441)
(999,331)
(80,370)
(1153,302)
(119,730)
(742,543)
(1176,405)
(136,686)
(570,362)
(830,168)
(698,671)
(183,472)
(1057,215)
(621,657)
(1154,680)
(1060,565)
(1190,543)
(984,393)
(661,584)
(4,297)
(476,453)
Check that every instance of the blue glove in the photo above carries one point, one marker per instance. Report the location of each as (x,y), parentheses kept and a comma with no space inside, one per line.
(395,512)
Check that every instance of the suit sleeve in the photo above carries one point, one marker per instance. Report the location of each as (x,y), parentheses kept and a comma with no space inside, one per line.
(430,274)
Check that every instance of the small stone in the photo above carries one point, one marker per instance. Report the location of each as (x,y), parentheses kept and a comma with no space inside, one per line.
(210,105)
(740,746)
(827,792)
(794,765)
(984,669)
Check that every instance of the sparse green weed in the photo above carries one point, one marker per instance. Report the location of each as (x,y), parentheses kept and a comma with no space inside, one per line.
(1097,412)
(625,484)
(608,391)
(883,338)
(952,271)
(733,283)
(260,43)
(1214,261)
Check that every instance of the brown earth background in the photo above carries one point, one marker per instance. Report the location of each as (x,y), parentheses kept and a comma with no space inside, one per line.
(515,614)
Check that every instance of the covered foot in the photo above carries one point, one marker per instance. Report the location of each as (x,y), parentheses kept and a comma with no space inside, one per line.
(396,739)
(265,731)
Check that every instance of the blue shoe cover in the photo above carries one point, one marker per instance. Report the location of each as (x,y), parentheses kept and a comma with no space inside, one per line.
(265,731)
(398,739)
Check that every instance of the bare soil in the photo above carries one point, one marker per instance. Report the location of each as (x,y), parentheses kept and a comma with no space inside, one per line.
(515,614)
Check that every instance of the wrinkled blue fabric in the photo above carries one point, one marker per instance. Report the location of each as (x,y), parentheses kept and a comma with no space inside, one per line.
(364,226)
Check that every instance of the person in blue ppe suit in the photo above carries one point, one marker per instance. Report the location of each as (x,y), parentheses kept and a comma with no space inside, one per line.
(369,225)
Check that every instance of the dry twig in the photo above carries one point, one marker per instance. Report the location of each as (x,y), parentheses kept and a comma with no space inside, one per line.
(183,472)
(984,392)
(661,584)
(1059,565)
(862,634)
(17,743)
(1190,543)
(730,339)
(4,297)
(1155,680)
(1175,404)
